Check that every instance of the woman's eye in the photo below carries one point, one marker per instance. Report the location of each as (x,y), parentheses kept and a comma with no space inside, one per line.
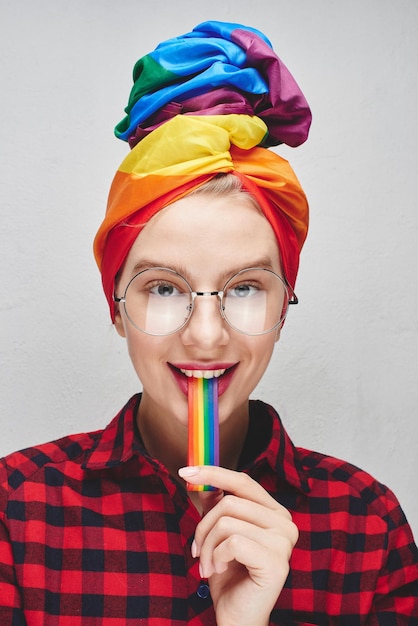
(242,291)
(164,290)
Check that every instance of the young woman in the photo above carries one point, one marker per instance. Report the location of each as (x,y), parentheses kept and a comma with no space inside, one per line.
(199,252)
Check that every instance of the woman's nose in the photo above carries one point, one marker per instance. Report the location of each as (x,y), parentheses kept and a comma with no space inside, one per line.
(206,327)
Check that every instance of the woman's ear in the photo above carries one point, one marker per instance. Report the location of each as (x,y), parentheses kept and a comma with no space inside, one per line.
(119,325)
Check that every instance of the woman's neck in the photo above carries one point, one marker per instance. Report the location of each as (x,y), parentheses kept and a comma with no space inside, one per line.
(167,440)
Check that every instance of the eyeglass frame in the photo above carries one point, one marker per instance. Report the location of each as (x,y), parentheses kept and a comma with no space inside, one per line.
(293,299)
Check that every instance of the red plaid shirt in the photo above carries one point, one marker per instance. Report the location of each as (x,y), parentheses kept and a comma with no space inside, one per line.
(93,532)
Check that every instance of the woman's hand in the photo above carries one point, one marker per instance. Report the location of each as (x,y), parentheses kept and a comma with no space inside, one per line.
(244,542)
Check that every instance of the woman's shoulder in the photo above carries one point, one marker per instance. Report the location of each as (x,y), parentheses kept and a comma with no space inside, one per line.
(347,485)
(19,466)
(332,480)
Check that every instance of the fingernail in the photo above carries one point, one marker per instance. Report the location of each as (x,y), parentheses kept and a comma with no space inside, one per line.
(186,472)
(194,549)
(201,573)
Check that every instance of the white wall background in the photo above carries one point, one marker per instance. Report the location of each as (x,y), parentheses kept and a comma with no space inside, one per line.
(345,374)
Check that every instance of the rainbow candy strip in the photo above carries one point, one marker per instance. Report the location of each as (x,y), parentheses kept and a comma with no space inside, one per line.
(203,445)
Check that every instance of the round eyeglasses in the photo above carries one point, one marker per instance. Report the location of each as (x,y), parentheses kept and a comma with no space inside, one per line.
(159,301)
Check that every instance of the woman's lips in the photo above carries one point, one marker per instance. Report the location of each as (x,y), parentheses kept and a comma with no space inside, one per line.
(223,374)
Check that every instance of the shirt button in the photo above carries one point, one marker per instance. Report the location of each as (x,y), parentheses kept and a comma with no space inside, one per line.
(203,590)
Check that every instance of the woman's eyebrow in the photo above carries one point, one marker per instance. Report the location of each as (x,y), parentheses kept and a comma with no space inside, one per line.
(264,262)
(145,264)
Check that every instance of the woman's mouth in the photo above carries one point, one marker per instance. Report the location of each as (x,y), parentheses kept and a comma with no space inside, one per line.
(223,374)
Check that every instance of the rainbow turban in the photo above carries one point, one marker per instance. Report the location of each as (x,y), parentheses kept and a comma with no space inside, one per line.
(206,103)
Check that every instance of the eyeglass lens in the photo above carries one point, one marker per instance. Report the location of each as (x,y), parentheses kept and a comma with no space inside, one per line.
(159,301)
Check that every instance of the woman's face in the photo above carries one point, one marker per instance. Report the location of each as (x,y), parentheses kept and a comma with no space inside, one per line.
(207,239)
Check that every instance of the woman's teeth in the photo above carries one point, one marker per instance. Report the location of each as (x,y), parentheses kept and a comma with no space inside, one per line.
(203,373)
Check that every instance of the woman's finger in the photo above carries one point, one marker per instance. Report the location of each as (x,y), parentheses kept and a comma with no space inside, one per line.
(229,532)
(237,483)
(265,568)
(231,507)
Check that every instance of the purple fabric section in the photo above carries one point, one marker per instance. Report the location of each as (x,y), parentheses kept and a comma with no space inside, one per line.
(285,109)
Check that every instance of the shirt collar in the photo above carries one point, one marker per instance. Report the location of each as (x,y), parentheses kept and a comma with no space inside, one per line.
(266,441)
(118,442)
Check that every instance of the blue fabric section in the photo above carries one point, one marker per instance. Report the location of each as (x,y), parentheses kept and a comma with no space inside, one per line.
(218,75)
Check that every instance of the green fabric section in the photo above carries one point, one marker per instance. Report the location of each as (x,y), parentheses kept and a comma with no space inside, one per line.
(149,76)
